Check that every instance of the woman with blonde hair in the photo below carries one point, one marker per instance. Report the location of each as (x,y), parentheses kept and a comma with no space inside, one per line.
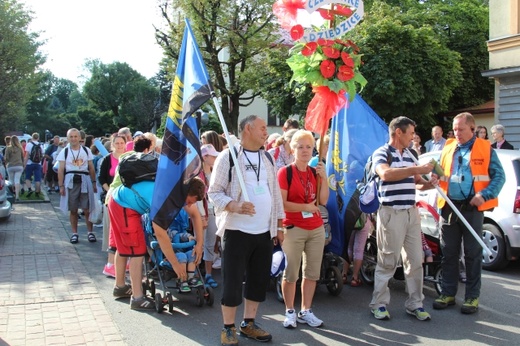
(304,233)
(14,162)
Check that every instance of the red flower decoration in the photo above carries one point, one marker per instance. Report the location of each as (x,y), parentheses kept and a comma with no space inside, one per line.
(327,68)
(345,73)
(325,14)
(297,32)
(331,52)
(309,49)
(347,59)
(286,11)
(343,10)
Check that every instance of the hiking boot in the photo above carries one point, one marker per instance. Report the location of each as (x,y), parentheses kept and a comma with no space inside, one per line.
(309,318)
(443,302)
(290,319)
(381,313)
(470,306)
(122,292)
(420,314)
(228,336)
(143,303)
(253,331)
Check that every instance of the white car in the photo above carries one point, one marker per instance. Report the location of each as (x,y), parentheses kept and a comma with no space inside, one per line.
(5,205)
(501,230)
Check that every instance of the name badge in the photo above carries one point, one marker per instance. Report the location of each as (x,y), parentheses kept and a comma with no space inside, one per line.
(259,190)
(306,214)
(456,179)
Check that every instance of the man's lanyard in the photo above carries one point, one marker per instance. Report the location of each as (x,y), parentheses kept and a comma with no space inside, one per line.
(257,173)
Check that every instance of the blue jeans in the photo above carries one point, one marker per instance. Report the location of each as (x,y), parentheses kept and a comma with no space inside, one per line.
(453,233)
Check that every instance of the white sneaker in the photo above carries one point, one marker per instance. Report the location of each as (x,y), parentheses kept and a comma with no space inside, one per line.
(290,320)
(217,264)
(309,318)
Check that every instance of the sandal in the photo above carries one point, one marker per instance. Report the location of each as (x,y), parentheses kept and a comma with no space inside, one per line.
(91,237)
(74,238)
(211,282)
(356,282)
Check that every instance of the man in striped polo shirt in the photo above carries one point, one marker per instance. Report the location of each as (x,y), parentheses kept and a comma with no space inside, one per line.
(398,222)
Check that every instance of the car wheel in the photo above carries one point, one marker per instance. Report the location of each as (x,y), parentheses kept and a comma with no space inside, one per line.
(494,240)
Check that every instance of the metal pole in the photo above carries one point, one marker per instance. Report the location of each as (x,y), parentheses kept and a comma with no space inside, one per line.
(231,150)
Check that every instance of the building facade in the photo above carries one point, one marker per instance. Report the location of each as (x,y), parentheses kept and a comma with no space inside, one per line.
(504,64)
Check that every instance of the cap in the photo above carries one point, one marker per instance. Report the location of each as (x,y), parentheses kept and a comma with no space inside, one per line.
(368,200)
(137,133)
(208,149)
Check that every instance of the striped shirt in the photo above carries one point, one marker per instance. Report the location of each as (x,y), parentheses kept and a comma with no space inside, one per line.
(396,194)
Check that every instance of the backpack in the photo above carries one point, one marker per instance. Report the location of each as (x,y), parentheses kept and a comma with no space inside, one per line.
(137,167)
(36,154)
(368,196)
(290,172)
(232,163)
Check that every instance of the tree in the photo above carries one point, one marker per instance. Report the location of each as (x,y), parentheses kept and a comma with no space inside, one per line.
(233,36)
(19,62)
(123,92)
(409,70)
(285,99)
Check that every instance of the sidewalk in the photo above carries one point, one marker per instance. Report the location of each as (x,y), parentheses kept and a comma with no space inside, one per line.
(46,294)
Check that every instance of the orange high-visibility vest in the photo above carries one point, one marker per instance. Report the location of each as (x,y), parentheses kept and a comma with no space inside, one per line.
(480,157)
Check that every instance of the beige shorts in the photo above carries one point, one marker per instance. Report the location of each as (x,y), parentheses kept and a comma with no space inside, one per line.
(307,245)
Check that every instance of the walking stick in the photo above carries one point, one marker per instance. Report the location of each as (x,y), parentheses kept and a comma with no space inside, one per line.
(459,214)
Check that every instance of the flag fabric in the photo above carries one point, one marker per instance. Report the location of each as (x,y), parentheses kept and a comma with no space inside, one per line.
(180,157)
(356,132)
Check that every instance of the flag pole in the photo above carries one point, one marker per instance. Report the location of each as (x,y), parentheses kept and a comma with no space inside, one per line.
(459,214)
(231,148)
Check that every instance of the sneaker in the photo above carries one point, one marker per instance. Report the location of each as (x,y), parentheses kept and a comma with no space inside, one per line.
(184,287)
(109,271)
(443,302)
(470,306)
(122,292)
(217,264)
(381,313)
(29,193)
(309,318)
(143,303)
(195,282)
(228,336)
(290,319)
(37,194)
(253,331)
(98,225)
(420,314)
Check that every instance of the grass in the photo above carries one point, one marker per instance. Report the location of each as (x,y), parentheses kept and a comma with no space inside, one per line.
(23,197)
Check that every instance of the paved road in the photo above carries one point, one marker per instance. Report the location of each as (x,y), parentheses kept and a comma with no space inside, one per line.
(52,292)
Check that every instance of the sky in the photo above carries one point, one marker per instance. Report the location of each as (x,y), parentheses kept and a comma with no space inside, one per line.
(108,30)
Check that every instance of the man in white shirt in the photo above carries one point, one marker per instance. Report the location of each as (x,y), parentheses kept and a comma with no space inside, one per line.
(248,229)
(77,182)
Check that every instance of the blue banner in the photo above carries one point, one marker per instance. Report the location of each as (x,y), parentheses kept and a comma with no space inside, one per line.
(180,157)
(356,132)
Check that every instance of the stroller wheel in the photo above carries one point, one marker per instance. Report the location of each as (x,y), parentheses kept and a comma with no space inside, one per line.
(170,302)
(152,288)
(333,280)
(200,296)
(210,296)
(437,282)
(368,268)
(278,283)
(158,303)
